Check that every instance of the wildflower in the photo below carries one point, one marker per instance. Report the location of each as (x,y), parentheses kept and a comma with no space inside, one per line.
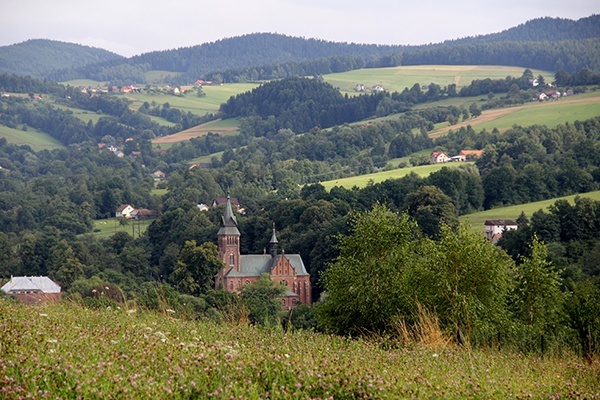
(435,355)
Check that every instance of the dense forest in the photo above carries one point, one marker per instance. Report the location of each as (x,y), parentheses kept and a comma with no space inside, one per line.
(40,57)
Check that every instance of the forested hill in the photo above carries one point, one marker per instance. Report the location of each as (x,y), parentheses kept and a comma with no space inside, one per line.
(39,57)
(544,43)
(252,50)
(542,29)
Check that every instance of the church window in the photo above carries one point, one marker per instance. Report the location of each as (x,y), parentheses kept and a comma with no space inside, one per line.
(231,259)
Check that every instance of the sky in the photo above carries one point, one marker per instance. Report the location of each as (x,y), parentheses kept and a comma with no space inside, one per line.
(130,27)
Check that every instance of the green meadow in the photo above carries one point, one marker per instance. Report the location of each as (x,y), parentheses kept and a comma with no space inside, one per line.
(397,78)
(215,96)
(120,351)
(361,181)
(551,113)
(512,212)
(104,228)
(35,139)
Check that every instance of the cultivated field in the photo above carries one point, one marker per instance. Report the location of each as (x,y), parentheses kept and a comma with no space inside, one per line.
(397,78)
(512,212)
(361,181)
(221,127)
(35,139)
(70,351)
(549,113)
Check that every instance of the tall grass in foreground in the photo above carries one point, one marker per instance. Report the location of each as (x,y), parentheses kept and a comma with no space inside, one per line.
(69,351)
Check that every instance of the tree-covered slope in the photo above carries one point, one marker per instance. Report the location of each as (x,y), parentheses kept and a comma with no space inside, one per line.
(274,56)
(38,57)
(543,29)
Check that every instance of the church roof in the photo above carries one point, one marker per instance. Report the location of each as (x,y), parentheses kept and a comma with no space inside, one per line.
(252,265)
(228,221)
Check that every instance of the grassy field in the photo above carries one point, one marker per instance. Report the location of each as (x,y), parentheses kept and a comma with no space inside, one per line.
(549,113)
(215,96)
(104,228)
(221,127)
(70,351)
(397,78)
(512,212)
(35,139)
(84,82)
(363,180)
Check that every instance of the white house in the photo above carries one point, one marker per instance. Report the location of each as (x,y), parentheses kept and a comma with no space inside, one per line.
(124,211)
(495,227)
(438,157)
(31,289)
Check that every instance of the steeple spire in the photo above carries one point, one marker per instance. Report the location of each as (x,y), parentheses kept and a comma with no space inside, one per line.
(273,243)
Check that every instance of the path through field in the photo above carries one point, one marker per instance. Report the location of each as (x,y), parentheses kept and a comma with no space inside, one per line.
(490,115)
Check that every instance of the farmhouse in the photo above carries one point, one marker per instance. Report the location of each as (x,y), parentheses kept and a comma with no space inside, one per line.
(142,213)
(240,270)
(124,211)
(438,157)
(32,289)
(470,154)
(495,227)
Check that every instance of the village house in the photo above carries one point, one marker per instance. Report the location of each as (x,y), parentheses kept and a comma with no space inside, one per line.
(32,289)
(471,154)
(124,211)
(158,175)
(438,157)
(495,227)
(142,213)
(243,269)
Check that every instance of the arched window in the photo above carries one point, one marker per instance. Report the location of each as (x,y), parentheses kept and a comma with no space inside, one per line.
(231,259)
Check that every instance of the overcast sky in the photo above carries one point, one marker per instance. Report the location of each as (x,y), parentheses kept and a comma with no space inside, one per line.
(130,27)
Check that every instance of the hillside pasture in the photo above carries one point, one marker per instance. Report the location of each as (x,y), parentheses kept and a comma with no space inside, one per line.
(104,228)
(395,79)
(549,113)
(220,127)
(35,139)
(210,103)
(476,220)
(362,181)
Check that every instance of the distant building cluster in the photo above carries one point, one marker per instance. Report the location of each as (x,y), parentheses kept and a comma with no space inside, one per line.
(439,157)
(129,212)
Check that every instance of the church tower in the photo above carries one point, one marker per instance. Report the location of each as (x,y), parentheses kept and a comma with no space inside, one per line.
(229,239)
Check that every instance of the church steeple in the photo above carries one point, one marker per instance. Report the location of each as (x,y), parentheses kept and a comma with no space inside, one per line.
(229,238)
(273,242)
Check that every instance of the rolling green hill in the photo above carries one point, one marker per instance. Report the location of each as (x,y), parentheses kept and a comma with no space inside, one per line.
(32,138)
(40,57)
(361,181)
(398,78)
(512,212)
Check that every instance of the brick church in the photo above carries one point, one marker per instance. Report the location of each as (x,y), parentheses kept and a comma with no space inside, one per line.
(239,270)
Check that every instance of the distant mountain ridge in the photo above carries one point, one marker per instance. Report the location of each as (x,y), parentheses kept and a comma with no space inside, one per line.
(268,55)
(542,29)
(40,57)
